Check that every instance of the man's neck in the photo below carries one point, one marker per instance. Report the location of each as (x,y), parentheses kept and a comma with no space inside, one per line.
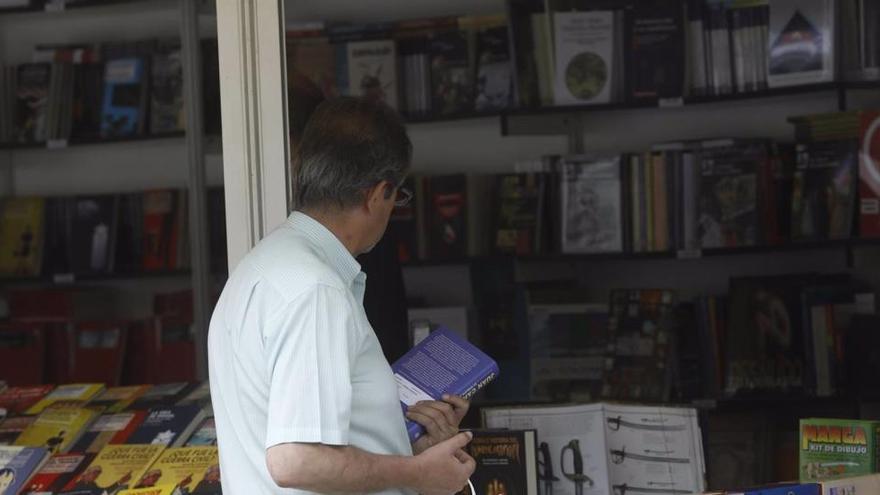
(341,225)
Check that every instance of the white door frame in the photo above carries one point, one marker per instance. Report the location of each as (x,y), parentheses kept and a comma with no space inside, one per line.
(253,99)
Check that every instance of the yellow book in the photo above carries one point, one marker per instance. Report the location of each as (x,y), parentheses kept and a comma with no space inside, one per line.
(57,428)
(116,467)
(21,236)
(156,490)
(80,393)
(117,399)
(187,469)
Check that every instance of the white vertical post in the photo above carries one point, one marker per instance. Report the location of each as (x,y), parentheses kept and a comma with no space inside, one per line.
(250,36)
(200,251)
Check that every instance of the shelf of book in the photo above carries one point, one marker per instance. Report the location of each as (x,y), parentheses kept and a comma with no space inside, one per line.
(62,5)
(60,144)
(847,244)
(838,88)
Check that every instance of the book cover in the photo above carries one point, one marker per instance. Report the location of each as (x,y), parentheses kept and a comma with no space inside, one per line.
(494,84)
(837,448)
(316,60)
(584,57)
(447,214)
(404,225)
(156,490)
(21,236)
(801,42)
(518,218)
(451,73)
(657,50)
(11,428)
(167,425)
(109,429)
(638,365)
(115,468)
(166,88)
(592,204)
(442,363)
(372,70)
(824,191)
(93,233)
(167,394)
(506,462)
(88,92)
(17,400)
(32,98)
(728,209)
(205,434)
(125,97)
(161,230)
(186,469)
(117,399)
(57,428)
(16,472)
(74,392)
(56,473)
(869,175)
(201,395)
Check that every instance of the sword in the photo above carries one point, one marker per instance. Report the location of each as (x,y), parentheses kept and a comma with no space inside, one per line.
(577,476)
(618,456)
(546,463)
(614,424)
(624,489)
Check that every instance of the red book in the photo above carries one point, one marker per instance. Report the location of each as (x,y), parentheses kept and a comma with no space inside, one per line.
(869,175)
(17,400)
(109,429)
(99,352)
(22,353)
(162,219)
(58,471)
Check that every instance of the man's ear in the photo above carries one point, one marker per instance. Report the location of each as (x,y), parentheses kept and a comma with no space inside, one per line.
(378,194)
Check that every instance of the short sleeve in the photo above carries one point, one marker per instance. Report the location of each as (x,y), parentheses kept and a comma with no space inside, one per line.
(310,355)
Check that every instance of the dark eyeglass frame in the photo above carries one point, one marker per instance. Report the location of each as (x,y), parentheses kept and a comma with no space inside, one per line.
(406,194)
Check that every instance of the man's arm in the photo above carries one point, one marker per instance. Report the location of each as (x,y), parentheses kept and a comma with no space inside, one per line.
(442,469)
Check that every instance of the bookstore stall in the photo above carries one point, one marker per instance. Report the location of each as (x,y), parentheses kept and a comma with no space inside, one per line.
(654,227)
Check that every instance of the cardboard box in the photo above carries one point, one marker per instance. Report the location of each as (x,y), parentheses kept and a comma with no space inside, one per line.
(837,448)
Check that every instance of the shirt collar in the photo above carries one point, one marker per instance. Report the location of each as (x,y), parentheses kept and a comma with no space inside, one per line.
(334,252)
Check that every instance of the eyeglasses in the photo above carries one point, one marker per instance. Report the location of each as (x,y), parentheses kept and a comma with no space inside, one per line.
(404,196)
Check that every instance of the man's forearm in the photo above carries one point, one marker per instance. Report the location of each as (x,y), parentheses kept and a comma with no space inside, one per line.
(322,468)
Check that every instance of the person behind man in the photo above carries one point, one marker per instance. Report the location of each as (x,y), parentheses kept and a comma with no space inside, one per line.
(303,397)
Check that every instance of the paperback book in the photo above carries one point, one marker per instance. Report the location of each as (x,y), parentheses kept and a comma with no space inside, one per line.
(584,57)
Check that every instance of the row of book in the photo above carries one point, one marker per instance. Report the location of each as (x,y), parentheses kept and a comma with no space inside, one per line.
(85,438)
(103,234)
(431,67)
(682,196)
(595,51)
(102,91)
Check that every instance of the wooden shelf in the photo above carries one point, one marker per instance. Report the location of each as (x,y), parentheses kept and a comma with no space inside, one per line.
(846,244)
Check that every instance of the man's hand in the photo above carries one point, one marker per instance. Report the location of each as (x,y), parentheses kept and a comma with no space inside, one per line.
(440,419)
(445,467)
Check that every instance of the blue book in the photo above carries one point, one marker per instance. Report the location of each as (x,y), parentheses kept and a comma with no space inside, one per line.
(784,489)
(18,470)
(442,363)
(125,98)
(168,426)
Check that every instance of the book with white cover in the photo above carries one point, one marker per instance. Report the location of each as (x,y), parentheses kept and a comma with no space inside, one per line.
(584,57)
(592,204)
(372,70)
(801,43)
(607,448)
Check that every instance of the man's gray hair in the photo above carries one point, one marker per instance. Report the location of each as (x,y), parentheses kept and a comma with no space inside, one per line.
(348,146)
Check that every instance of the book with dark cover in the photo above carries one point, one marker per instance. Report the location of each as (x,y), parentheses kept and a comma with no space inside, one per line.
(167,425)
(88,93)
(447,214)
(506,462)
(403,227)
(166,88)
(117,399)
(494,83)
(125,98)
(217,229)
(32,97)
(824,191)
(442,363)
(17,400)
(204,434)
(109,429)
(93,229)
(211,86)
(519,227)
(57,252)
(57,472)
(658,50)
(639,359)
(451,75)
(16,472)
(523,50)
(729,193)
(11,428)
(161,230)
(128,256)
(167,394)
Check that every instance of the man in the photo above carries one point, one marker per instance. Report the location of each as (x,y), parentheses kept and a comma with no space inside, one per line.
(303,397)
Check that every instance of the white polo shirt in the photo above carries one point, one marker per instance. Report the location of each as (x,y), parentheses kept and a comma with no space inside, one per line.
(292,358)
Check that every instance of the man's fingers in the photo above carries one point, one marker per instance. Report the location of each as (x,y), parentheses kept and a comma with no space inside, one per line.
(459,441)
(447,410)
(457,402)
(433,427)
(461,455)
